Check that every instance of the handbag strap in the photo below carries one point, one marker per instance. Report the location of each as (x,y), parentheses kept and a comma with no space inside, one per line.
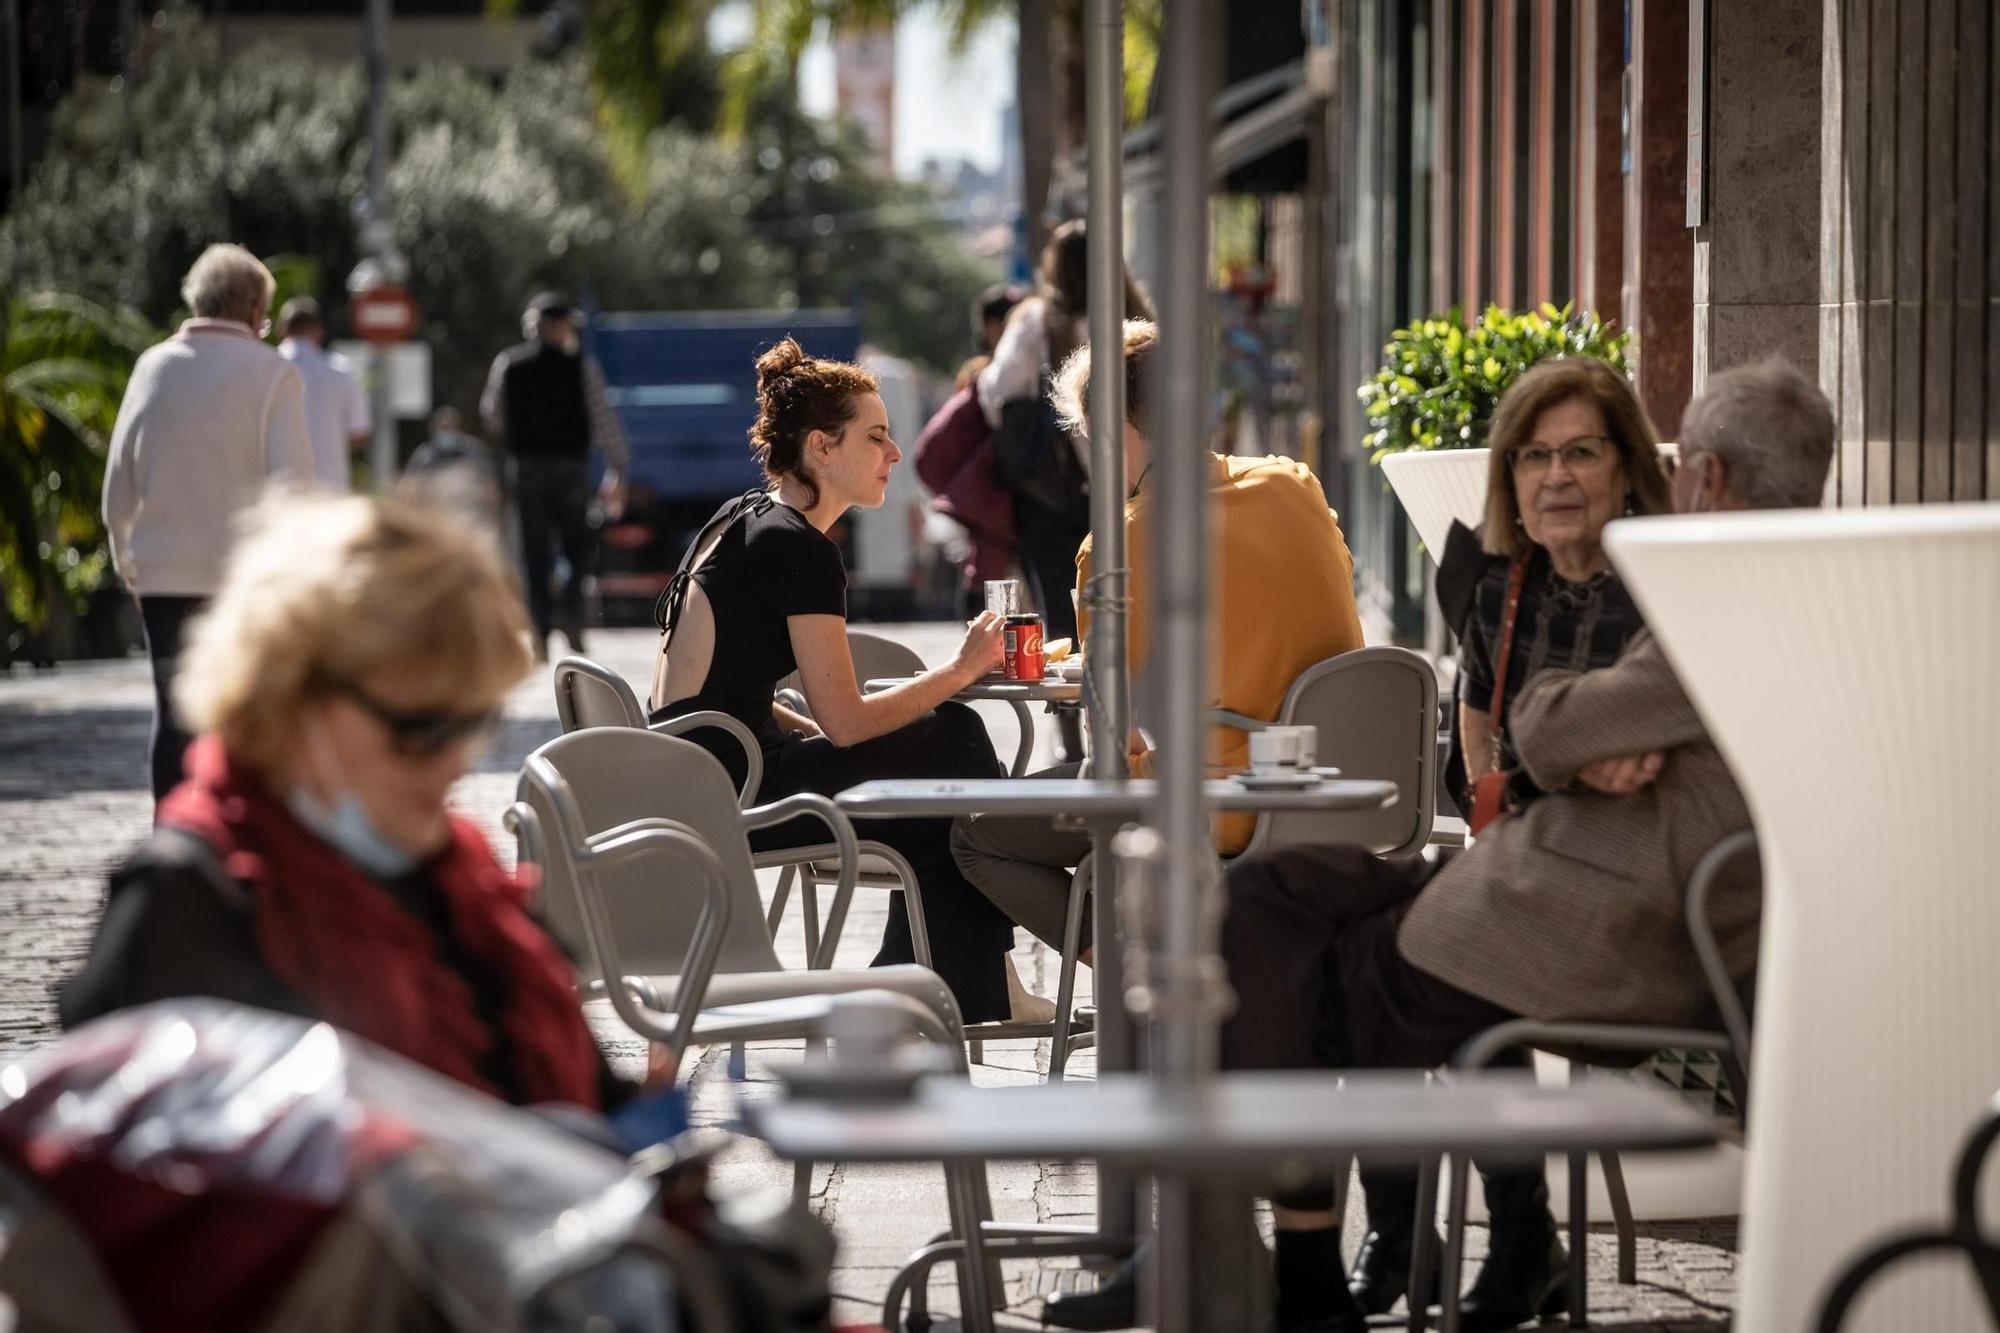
(1516,577)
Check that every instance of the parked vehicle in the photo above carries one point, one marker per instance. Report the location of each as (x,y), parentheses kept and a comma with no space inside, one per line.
(685,387)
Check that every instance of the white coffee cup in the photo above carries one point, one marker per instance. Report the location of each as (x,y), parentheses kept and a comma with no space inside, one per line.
(1284,749)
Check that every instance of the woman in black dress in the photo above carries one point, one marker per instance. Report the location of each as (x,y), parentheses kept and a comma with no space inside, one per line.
(767,594)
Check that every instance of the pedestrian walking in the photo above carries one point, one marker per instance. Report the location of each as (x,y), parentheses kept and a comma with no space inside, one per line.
(459,473)
(545,399)
(1037,459)
(209,417)
(337,415)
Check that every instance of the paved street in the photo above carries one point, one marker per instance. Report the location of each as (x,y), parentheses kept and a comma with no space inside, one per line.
(73,798)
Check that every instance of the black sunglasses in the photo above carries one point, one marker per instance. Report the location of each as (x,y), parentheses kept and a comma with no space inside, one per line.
(421,733)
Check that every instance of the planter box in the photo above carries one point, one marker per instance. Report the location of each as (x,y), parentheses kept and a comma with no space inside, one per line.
(1439,485)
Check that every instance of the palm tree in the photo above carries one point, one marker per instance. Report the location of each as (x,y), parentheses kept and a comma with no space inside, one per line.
(64,362)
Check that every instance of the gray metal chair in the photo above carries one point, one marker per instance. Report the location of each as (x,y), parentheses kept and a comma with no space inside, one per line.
(1376,713)
(1586,1045)
(591,695)
(615,816)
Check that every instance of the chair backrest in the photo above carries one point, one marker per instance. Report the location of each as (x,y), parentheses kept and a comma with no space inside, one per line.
(615,775)
(1376,711)
(874,657)
(590,695)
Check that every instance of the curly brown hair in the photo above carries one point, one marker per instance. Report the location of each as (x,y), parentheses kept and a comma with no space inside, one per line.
(797,395)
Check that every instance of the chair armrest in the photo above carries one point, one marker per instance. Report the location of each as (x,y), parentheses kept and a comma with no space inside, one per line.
(793,700)
(520,820)
(753,753)
(621,843)
(1224,717)
(824,810)
(1735,1019)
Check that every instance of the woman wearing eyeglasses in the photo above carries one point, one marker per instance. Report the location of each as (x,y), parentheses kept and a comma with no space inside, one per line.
(1572,449)
(355,657)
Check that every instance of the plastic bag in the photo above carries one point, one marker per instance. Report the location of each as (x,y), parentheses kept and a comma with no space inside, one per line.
(219,1157)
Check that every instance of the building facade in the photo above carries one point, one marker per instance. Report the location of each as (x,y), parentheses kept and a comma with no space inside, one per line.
(1727,178)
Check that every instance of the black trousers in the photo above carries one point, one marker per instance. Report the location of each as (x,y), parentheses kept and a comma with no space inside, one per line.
(969,936)
(552,496)
(166,620)
(1310,941)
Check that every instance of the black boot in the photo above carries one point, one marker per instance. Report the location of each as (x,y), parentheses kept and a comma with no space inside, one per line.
(1381,1273)
(1523,1277)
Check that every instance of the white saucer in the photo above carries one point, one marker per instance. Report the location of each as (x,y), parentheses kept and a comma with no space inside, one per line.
(1278,781)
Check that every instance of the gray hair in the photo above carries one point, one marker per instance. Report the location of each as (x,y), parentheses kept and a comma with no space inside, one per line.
(1070,390)
(228,282)
(1772,428)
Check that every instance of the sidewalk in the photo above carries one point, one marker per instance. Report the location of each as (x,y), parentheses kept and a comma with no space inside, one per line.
(73,797)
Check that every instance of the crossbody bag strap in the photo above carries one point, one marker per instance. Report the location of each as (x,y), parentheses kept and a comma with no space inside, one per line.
(1516,577)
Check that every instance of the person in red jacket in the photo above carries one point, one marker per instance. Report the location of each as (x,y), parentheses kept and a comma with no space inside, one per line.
(353,662)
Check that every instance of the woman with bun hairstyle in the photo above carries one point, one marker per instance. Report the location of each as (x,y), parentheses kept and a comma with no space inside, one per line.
(764,593)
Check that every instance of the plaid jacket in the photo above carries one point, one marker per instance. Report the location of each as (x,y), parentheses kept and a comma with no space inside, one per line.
(1574,908)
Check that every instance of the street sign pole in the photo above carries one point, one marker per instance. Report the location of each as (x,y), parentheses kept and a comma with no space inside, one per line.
(378,236)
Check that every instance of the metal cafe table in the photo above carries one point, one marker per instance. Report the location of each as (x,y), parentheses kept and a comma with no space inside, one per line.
(1055,691)
(1102,807)
(1222,1137)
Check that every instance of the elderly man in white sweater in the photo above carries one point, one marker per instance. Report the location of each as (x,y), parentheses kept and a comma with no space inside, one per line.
(210,415)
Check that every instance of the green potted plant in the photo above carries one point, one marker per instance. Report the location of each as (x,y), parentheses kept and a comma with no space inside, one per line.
(1430,404)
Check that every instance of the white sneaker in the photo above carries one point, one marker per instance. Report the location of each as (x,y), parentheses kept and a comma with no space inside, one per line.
(1023,1005)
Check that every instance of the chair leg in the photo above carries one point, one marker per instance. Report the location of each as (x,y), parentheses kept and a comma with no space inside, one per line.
(778,899)
(1621,1216)
(809,910)
(1072,944)
(1579,1240)
(1419,1297)
(1454,1242)
(739,1062)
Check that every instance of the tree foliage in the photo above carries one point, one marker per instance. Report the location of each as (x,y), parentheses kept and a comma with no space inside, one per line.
(1440,379)
(497,191)
(64,362)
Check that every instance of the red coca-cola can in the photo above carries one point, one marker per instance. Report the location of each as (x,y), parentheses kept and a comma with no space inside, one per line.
(1021,636)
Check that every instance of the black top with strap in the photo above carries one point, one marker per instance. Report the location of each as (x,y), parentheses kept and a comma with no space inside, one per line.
(768,564)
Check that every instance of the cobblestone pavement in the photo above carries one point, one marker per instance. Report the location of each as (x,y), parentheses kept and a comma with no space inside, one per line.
(73,797)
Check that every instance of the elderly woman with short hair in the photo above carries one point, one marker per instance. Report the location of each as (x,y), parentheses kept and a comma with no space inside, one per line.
(357,654)
(209,416)
(1571,908)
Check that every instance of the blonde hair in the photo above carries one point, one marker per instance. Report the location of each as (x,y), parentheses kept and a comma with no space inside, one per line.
(1550,384)
(228,282)
(324,589)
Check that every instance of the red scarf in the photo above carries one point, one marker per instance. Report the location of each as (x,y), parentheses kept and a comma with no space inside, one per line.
(334,935)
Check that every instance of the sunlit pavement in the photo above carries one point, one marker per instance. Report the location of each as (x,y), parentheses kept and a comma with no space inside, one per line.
(73,798)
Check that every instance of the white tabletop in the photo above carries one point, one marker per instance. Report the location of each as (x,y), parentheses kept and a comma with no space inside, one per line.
(1049,689)
(1235,1123)
(1090,796)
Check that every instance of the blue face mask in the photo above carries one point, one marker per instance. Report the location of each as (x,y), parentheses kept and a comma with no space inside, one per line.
(345,825)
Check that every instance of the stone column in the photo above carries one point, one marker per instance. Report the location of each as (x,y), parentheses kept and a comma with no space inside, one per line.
(1757,259)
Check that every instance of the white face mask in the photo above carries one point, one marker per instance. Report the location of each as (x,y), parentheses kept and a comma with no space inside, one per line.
(344,824)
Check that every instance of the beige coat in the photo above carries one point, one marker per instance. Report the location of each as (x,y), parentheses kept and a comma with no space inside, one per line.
(1574,908)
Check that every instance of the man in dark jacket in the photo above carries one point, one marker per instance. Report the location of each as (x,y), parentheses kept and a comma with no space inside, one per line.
(545,398)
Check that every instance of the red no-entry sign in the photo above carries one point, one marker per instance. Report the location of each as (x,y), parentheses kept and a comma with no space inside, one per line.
(383,315)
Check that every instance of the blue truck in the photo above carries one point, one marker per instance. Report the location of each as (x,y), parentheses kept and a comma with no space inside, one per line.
(685,387)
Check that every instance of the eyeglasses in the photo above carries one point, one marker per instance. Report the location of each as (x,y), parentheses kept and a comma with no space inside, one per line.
(421,733)
(1585,453)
